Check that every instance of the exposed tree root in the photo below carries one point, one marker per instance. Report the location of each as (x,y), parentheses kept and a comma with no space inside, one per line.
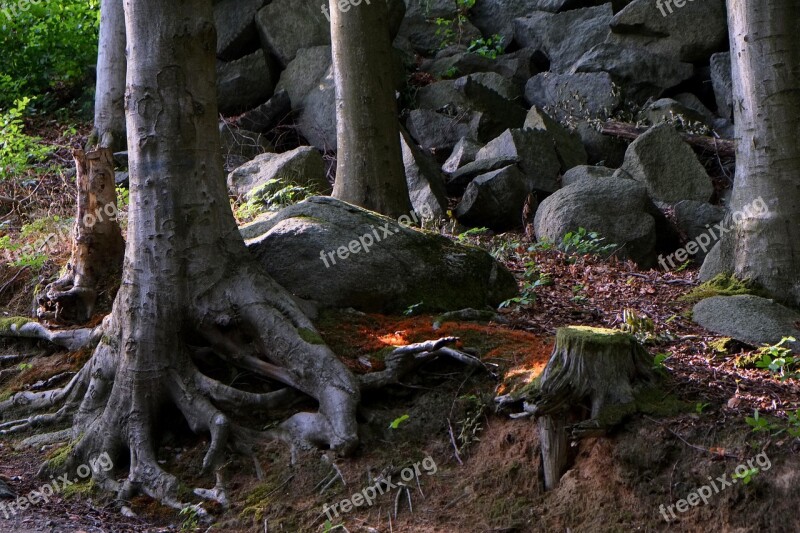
(115,400)
(71,339)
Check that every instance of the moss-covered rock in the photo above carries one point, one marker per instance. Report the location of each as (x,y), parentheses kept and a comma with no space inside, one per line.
(343,256)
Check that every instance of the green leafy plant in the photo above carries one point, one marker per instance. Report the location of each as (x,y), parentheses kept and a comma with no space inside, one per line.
(777,359)
(397,421)
(582,242)
(48,45)
(699,407)
(794,424)
(488,47)
(472,232)
(414,309)
(746,476)
(451,30)
(18,149)
(191,517)
(759,423)
(658,362)
(532,279)
(24,366)
(450,73)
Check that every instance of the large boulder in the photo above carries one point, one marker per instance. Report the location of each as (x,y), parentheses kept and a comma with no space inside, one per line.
(343,256)
(303,73)
(601,149)
(617,209)
(564,37)
(458,181)
(689,33)
(494,200)
(419,25)
(515,67)
(694,220)
(438,133)
(464,152)
(749,319)
(268,115)
(585,95)
(641,72)
(424,179)
(722,81)
(569,147)
(317,121)
(286,26)
(535,151)
(244,83)
(302,166)
(584,172)
(236,28)
(667,166)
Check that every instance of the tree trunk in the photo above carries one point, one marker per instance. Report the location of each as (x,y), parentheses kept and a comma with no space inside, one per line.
(369,171)
(765,53)
(109,102)
(190,289)
(97,247)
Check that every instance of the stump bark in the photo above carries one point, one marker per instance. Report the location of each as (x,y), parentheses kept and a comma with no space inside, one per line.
(590,368)
(98,246)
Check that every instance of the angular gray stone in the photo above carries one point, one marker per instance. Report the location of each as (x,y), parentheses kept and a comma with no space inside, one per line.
(463,176)
(748,319)
(564,37)
(286,26)
(265,117)
(722,82)
(585,172)
(302,166)
(694,219)
(667,109)
(419,26)
(424,179)
(463,152)
(535,151)
(568,144)
(641,72)
(617,209)
(667,166)
(317,120)
(304,72)
(690,33)
(601,149)
(236,28)
(595,91)
(438,134)
(244,83)
(494,200)
(396,271)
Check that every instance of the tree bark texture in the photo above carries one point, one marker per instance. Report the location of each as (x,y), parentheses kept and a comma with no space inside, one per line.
(765,52)
(369,171)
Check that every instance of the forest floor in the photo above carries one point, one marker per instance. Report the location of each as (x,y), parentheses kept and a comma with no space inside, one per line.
(464,465)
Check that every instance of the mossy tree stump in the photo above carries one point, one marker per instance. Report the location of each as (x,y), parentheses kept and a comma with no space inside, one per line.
(594,366)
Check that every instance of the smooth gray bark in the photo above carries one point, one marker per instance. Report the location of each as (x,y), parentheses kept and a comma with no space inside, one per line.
(109,103)
(765,52)
(369,171)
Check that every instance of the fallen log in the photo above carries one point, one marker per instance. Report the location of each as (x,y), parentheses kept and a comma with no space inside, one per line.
(724,148)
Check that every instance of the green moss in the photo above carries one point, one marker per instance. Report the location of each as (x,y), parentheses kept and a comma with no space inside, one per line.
(722,345)
(310,336)
(529,390)
(654,401)
(58,457)
(82,488)
(724,284)
(14,322)
(591,335)
(257,500)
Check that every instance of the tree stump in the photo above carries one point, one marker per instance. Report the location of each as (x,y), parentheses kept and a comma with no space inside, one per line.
(593,367)
(98,246)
